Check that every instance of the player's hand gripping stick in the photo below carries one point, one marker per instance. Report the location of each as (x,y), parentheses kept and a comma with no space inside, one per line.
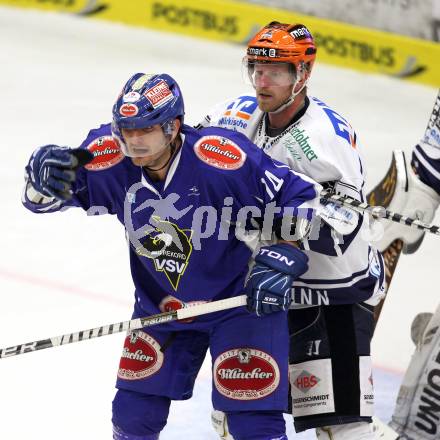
(268,288)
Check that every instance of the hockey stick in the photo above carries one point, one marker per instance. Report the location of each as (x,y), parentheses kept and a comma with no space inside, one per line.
(134,324)
(379,212)
(383,190)
(383,193)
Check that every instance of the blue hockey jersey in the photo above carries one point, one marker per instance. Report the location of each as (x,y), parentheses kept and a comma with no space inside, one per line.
(183,231)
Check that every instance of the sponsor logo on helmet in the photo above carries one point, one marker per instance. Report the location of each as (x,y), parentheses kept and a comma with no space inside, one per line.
(141,356)
(220,152)
(171,303)
(246,374)
(262,52)
(267,35)
(128,110)
(159,94)
(106,153)
(300,33)
(139,83)
(131,97)
(305,381)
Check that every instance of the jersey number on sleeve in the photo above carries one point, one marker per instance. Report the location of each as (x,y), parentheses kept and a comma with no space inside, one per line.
(272,180)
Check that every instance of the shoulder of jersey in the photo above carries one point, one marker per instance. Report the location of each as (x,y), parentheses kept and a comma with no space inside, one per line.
(223,149)
(104,148)
(327,124)
(244,101)
(234,110)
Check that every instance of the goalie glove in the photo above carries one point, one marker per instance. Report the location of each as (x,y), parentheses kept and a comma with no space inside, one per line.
(269,286)
(52,170)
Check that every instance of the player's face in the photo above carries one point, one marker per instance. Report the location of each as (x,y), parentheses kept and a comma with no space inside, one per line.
(145,146)
(273,84)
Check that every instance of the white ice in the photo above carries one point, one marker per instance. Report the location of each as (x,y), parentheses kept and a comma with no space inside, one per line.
(59,76)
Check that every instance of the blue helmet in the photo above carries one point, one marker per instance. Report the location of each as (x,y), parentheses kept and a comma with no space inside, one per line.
(146,100)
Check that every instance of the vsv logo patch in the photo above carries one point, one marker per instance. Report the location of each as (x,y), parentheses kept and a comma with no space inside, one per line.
(170,248)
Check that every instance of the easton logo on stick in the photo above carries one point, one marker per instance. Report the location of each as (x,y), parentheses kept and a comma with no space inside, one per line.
(246,374)
(220,152)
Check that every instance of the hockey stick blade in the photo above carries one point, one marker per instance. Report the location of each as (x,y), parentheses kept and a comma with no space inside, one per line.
(118,327)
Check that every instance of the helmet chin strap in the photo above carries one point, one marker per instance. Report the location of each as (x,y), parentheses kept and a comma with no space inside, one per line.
(172,146)
(291,98)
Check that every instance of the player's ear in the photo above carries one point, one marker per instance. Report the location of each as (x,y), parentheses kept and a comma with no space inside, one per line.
(303,73)
(176,128)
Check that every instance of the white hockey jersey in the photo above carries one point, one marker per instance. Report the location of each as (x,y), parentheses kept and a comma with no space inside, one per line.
(343,267)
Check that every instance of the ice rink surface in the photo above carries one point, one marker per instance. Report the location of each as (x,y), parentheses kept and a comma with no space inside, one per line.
(65,272)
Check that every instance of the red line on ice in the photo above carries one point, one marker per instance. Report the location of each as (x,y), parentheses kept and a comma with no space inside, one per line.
(65,288)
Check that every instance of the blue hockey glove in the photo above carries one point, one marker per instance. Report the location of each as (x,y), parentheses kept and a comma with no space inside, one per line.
(268,288)
(52,169)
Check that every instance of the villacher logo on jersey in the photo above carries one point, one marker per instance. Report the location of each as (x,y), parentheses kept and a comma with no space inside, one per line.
(141,357)
(245,374)
(138,355)
(238,373)
(220,152)
(106,153)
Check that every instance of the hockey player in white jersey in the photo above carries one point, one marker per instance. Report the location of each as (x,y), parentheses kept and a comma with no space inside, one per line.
(331,319)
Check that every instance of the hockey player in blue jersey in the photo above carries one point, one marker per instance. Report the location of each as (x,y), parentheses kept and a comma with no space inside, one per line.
(182,196)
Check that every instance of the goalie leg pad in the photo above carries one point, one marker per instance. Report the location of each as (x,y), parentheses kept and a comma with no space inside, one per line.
(426,162)
(139,416)
(330,365)
(401,191)
(417,412)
